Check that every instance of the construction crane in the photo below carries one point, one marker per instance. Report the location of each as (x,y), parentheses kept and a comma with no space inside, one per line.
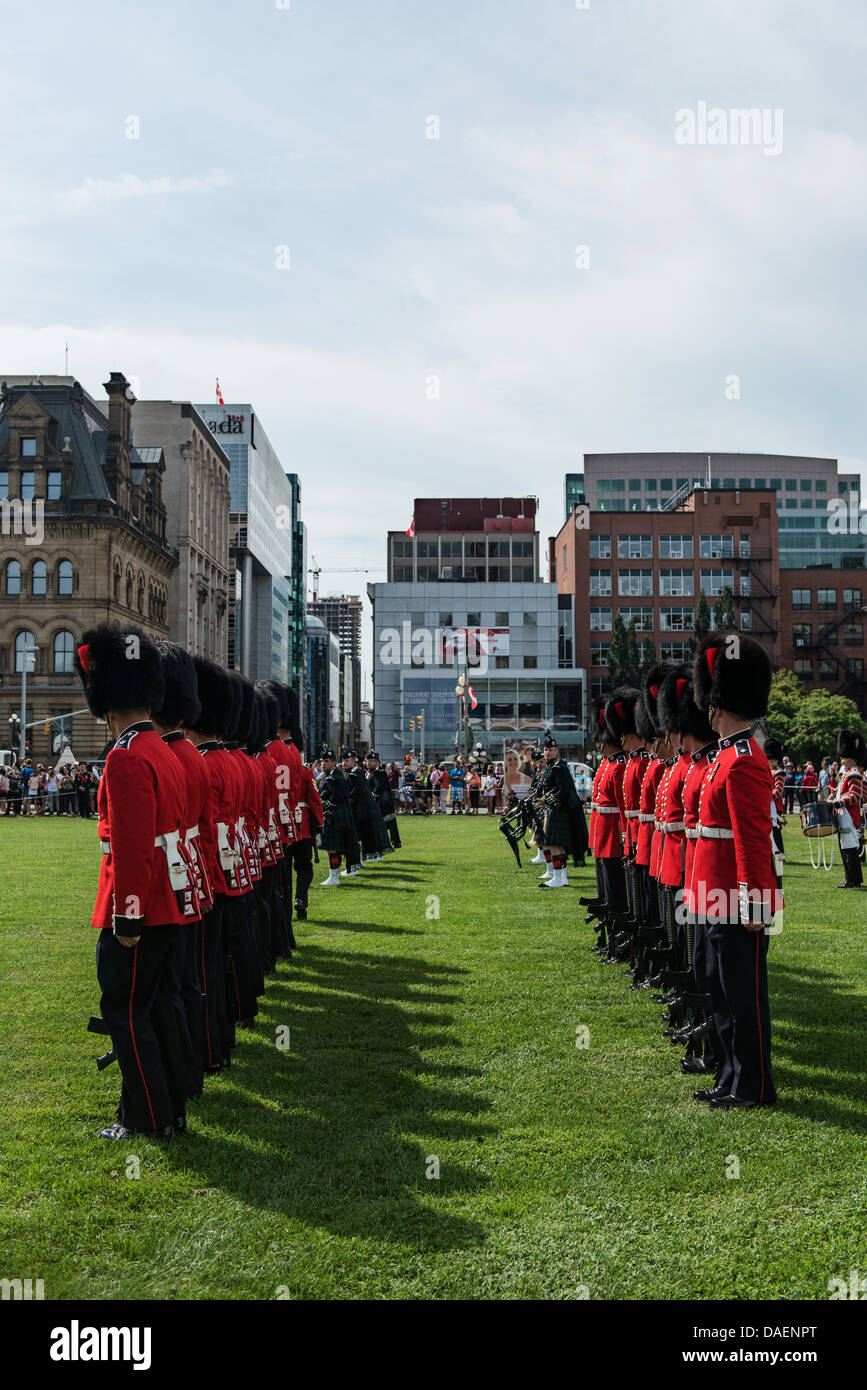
(316,569)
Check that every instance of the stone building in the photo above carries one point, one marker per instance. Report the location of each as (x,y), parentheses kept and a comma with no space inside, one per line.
(196,490)
(82,541)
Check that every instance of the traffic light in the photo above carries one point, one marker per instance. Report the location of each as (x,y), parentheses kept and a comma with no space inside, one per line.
(412,726)
(47,726)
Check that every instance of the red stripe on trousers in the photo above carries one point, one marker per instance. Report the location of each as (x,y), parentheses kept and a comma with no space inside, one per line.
(132,1034)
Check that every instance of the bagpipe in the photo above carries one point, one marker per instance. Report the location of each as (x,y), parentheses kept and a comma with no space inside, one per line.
(522,817)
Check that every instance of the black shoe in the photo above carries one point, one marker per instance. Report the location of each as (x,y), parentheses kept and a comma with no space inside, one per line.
(301,911)
(732,1103)
(180,1124)
(713,1096)
(690,1066)
(119,1131)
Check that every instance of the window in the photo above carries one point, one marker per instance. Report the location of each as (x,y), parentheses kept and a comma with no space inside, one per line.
(760,483)
(675,548)
(675,651)
(650,485)
(729,482)
(600,619)
(474,620)
(599,653)
(746,620)
(635,583)
(802,599)
(402,575)
(804,667)
(53,493)
(39,579)
(744,483)
(676,583)
(600,582)
(827,668)
(744,547)
(853,634)
(24,642)
(806,484)
(446,620)
(28,449)
(714,581)
(634,548)
(425,550)
(28,486)
(501,663)
(501,620)
(63,646)
(827,598)
(530,663)
(4,483)
(746,586)
(634,484)
(676,620)
(851,598)
(529,619)
(611,485)
(13,579)
(642,617)
(855,667)
(807,504)
(521,574)
(530,711)
(503,711)
(666,484)
(600,547)
(821,485)
(716,547)
(802,633)
(776,484)
(791,485)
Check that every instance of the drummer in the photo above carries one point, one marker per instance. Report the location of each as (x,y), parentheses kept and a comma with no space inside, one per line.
(852,752)
(773,751)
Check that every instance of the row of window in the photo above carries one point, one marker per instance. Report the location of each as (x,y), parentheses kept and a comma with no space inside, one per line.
(63,647)
(27,487)
(640,547)
(38,579)
(452,550)
(670,619)
(490,574)
(802,599)
(672,583)
(852,634)
(527,618)
(828,668)
(671,485)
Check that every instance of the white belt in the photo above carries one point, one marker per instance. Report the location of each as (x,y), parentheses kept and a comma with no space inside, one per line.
(192,834)
(646,817)
(301,803)
(179,876)
(691,832)
(715,832)
(608,810)
(228,856)
(633,813)
(672,825)
(285,814)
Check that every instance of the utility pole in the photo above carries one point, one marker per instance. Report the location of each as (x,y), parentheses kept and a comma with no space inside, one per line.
(27,653)
(421,734)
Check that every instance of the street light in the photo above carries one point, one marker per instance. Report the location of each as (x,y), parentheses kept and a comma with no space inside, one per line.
(26,654)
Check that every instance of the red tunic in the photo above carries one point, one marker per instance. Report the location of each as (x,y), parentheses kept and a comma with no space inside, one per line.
(591,834)
(674,840)
(850,793)
(609,837)
(197,799)
(633,779)
(222,848)
(142,798)
(779,776)
(646,807)
(700,762)
(731,868)
(248,820)
(660,818)
(279,752)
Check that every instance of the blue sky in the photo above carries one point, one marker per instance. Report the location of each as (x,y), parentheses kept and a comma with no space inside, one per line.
(263,127)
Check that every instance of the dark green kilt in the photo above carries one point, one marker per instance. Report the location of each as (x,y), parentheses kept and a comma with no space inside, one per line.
(339,834)
(558,831)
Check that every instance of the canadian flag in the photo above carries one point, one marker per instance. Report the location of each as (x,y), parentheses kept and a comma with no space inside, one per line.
(472,695)
(220,400)
(410,530)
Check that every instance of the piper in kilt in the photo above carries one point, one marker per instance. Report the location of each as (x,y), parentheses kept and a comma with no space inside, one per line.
(339,836)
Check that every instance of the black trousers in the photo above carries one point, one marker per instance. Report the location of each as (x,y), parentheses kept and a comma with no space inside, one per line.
(186,997)
(83,798)
(615,884)
(136,1005)
(302,859)
(738,986)
(393,832)
(702,966)
(218,1032)
(242,958)
(852,866)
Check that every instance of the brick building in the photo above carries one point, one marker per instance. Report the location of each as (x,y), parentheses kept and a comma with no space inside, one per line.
(83,541)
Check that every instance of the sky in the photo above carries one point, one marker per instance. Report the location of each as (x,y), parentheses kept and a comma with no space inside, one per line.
(411,316)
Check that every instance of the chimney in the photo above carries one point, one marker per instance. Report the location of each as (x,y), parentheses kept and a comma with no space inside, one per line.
(120,400)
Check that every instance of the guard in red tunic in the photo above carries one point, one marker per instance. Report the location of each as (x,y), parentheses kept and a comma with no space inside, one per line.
(620,719)
(646,724)
(147,892)
(279,748)
(246,981)
(674,695)
(272,846)
(608,839)
(848,802)
(180,706)
(734,886)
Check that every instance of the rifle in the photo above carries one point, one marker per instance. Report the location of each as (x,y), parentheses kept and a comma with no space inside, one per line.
(98,1025)
(511,824)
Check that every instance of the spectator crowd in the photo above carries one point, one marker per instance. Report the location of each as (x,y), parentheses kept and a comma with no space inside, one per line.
(28,789)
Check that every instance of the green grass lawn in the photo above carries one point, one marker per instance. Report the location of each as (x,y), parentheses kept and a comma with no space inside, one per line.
(417,1037)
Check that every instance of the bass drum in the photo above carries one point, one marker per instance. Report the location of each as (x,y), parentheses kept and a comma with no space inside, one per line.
(818,819)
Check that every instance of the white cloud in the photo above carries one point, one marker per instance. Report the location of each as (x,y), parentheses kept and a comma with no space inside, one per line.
(95,194)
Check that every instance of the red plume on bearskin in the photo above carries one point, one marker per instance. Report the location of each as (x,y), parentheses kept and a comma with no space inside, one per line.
(739,682)
(120,669)
(650,694)
(620,711)
(677,711)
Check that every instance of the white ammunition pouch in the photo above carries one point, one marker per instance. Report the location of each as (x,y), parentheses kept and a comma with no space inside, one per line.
(273,832)
(283,803)
(228,855)
(179,874)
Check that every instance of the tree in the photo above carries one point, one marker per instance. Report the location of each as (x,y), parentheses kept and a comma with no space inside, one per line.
(786,695)
(618,652)
(634,656)
(724,619)
(818,719)
(648,656)
(702,618)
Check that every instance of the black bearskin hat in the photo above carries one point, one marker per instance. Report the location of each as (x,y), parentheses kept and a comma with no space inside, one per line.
(598,724)
(214,687)
(120,668)
(620,711)
(277,692)
(233,713)
(293,709)
(739,683)
(247,719)
(851,745)
(650,689)
(272,710)
(643,723)
(257,736)
(676,710)
(181,701)
(772,748)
